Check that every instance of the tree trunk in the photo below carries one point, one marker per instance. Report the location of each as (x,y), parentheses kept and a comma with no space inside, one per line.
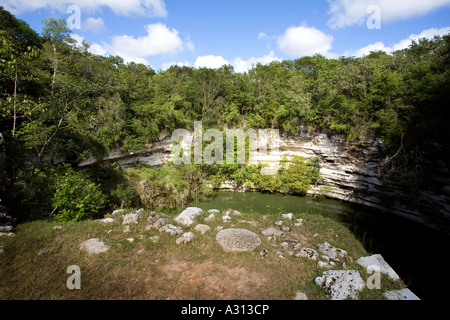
(2,164)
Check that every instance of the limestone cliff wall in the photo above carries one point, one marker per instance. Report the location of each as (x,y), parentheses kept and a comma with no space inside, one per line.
(349,171)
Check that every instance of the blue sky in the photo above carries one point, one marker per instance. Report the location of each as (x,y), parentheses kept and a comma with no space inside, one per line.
(209,33)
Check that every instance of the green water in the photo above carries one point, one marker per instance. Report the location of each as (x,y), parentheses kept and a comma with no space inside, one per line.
(401,242)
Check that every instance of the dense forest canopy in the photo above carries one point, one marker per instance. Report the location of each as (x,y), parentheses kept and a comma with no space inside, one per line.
(58,101)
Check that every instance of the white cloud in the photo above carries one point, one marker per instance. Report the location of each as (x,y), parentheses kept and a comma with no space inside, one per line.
(403,44)
(210,61)
(354,12)
(94,48)
(245,65)
(304,41)
(158,41)
(93,24)
(147,8)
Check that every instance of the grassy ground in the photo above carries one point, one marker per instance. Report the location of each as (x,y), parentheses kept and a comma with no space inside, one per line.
(163,270)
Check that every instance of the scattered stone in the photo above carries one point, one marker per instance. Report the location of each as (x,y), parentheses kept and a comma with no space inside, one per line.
(106,220)
(189,235)
(330,251)
(171,229)
(154,239)
(127,229)
(289,216)
(210,218)
(238,240)
(6,228)
(226,218)
(217,229)
(131,240)
(272,232)
(299,223)
(404,294)
(325,265)
(119,211)
(285,228)
(279,223)
(230,212)
(315,235)
(341,284)
(42,251)
(325,258)
(131,218)
(300,296)
(188,216)
(279,254)
(57,227)
(9,234)
(213,211)
(264,253)
(141,210)
(378,261)
(308,253)
(94,246)
(183,240)
(156,224)
(202,228)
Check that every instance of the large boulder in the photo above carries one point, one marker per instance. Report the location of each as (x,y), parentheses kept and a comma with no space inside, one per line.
(341,284)
(238,240)
(188,216)
(378,261)
(94,246)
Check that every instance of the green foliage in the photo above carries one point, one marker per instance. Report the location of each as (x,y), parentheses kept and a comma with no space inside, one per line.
(76,197)
(124,196)
(173,186)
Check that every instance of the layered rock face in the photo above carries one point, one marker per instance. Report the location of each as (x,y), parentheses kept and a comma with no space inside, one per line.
(349,171)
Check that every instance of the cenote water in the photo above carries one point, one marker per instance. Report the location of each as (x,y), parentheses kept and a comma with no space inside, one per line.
(414,251)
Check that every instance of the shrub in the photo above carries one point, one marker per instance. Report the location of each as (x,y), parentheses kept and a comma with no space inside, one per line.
(77,197)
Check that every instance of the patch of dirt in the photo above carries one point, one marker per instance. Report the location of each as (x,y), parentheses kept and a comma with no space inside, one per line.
(210,281)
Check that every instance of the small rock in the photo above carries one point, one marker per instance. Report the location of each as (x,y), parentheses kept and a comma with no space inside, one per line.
(130,218)
(189,235)
(127,229)
(119,211)
(9,234)
(171,229)
(299,223)
(279,223)
(141,210)
(300,296)
(279,254)
(307,253)
(229,212)
(264,253)
(42,251)
(404,294)
(285,228)
(188,216)
(213,211)
(289,216)
(131,240)
(202,228)
(272,232)
(341,284)
(226,218)
(324,265)
(57,227)
(183,240)
(210,218)
(2,250)
(106,220)
(154,239)
(217,229)
(330,251)
(6,228)
(94,246)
